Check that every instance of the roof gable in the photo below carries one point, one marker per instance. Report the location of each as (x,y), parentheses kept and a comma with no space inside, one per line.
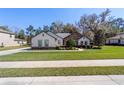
(119,36)
(44,33)
(84,37)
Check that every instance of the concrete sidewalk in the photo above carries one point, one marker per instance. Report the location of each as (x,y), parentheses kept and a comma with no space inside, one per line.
(12,51)
(65,80)
(69,63)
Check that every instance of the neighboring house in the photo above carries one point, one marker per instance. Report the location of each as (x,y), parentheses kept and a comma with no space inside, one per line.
(7,39)
(116,40)
(51,40)
(20,42)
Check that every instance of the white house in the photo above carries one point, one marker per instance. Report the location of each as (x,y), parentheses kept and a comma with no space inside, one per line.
(44,40)
(84,41)
(116,40)
(7,39)
(51,40)
(59,39)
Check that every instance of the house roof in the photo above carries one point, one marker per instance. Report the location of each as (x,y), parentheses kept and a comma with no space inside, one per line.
(63,35)
(85,37)
(120,36)
(45,33)
(17,39)
(7,32)
(60,35)
(54,35)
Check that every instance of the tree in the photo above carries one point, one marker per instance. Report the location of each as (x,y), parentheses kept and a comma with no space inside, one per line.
(46,28)
(71,43)
(118,23)
(21,34)
(99,38)
(97,24)
(30,33)
(57,27)
(38,30)
(70,28)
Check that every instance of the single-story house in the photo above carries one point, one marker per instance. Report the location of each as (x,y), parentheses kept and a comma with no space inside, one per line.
(7,38)
(116,40)
(52,40)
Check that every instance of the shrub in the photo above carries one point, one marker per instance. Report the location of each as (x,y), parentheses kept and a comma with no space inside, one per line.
(58,48)
(71,43)
(96,47)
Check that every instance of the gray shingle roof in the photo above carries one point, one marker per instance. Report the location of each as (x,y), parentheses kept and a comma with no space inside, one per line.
(7,32)
(118,36)
(54,35)
(63,35)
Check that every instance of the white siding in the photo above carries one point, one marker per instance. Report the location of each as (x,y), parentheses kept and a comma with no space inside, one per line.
(83,39)
(7,40)
(59,41)
(107,42)
(43,36)
(112,41)
(122,41)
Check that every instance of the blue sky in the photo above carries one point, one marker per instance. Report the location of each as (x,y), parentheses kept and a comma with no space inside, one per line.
(21,18)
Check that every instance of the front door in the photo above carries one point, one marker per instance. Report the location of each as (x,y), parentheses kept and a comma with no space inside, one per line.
(39,43)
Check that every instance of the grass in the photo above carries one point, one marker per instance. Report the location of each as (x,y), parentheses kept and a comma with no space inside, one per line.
(71,71)
(11,47)
(107,52)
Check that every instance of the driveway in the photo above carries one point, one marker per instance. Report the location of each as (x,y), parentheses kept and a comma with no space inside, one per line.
(69,63)
(65,80)
(12,51)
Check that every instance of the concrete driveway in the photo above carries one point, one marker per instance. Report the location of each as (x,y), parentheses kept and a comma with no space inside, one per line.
(65,80)
(12,51)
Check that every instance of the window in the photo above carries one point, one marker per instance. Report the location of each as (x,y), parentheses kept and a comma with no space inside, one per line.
(46,43)
(85,42)
(59,42)
(81,43)
(39,43)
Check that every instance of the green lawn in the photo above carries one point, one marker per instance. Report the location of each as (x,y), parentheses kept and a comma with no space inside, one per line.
(70,71)
(11,47)
(107,52)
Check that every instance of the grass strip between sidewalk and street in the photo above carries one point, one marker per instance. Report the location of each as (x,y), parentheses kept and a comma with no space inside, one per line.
(66,71)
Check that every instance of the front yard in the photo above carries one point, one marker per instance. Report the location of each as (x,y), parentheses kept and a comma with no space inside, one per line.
(107,52)
(70,71)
